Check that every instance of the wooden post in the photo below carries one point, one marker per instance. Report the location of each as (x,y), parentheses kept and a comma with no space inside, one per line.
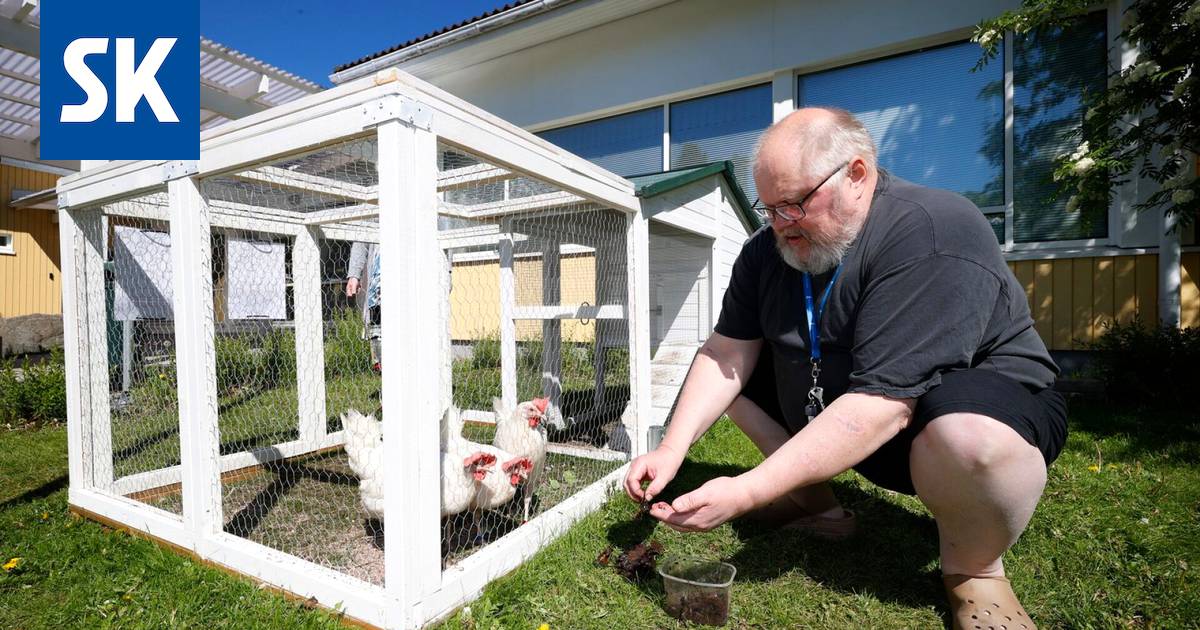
(71,228)
(93,311)
(411,332)
(552,331)
(508,325)
(199,434)
(637,244)
(310,355)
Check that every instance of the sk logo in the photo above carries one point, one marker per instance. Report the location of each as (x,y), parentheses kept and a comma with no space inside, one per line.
(120,81)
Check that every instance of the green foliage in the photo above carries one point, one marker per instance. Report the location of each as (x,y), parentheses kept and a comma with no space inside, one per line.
(39,394)
(236,365)
(486,352)
(1147,123)
(346,352)
(1149,367)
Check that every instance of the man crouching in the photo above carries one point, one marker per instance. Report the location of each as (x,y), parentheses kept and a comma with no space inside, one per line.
(872,324)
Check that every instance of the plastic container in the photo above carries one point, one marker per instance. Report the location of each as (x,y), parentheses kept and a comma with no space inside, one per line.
(697,589)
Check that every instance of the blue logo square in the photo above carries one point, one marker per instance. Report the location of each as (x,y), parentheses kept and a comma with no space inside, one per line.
(120,80)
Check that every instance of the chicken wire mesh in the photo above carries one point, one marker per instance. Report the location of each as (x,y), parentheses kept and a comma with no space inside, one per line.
(546,269)
(134,432)
(292,354)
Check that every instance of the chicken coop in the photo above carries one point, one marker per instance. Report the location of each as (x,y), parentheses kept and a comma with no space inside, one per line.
(377,347)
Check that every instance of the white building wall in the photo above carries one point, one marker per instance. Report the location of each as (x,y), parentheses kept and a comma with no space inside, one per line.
(697,45)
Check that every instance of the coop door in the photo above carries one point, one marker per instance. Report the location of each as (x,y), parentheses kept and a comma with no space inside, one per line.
(679,287)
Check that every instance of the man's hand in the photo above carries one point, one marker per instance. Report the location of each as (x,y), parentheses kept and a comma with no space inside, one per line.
(351,287)
(658,467)
(706,507)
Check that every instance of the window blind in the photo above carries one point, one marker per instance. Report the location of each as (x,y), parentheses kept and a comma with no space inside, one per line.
(722,126)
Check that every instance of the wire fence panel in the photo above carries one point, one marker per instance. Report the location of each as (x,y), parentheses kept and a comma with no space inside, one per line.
(141,436)
(540,351)
(292,354)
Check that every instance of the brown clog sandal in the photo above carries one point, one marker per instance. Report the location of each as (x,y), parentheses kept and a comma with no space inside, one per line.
(985,603)
(826,527)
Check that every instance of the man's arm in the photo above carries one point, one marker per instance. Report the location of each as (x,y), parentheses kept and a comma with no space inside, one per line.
(720,369)
(850,429)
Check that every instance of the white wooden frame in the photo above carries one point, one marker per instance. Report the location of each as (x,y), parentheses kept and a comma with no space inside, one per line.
(410,119)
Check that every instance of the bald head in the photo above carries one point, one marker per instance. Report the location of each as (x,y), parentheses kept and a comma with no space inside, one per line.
(811,142)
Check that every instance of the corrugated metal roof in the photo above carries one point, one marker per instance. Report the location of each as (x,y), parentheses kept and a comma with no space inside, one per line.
(431,35)
(223,71)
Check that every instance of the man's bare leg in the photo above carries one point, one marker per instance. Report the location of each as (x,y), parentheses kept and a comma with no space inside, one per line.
(768,436)
(982,482)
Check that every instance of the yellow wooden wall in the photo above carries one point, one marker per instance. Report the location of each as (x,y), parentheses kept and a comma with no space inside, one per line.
(475,297)
(1071,299)
(30,280)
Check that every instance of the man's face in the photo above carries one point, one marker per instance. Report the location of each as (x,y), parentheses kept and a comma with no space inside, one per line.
(817,242)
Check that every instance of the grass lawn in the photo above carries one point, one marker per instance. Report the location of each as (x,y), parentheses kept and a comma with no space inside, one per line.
(1115,543)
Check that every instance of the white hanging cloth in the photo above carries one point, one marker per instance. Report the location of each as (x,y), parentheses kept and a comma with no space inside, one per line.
(142,264)
(255,279)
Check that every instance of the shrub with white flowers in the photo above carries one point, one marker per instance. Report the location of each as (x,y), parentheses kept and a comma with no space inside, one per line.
(1147,123)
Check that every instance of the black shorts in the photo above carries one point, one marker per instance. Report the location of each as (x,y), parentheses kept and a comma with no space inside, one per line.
(1038,416)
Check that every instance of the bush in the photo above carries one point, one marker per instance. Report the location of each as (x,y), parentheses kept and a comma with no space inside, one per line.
(346,352)
(236,364)
(485,353)
(1143,366)
(38,395)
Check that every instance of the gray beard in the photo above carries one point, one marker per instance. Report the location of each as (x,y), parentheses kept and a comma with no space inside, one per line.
(822,256)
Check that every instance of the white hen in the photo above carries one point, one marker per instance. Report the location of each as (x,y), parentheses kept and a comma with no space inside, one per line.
(462,468)
(493,490)
(521,433)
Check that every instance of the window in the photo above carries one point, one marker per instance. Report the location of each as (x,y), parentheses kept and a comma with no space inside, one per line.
(6,243)
(723,126)
(628,144)
(1052,70)
(934,121)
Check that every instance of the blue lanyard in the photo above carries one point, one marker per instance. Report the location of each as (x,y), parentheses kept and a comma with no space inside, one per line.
(814,317)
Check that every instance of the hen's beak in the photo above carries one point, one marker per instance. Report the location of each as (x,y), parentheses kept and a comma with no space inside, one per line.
(540,404)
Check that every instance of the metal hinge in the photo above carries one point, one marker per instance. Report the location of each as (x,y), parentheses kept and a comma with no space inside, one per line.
(396,107)
(178,169)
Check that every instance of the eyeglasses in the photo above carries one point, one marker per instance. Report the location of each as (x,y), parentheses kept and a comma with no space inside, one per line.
(791,211)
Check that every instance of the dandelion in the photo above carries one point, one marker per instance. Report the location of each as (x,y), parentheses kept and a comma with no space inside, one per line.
(12,564)
(45,515)
(1094,468)
(161,376)
(544,626)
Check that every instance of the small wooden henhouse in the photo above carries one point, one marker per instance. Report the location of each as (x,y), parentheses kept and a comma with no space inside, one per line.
(492,265)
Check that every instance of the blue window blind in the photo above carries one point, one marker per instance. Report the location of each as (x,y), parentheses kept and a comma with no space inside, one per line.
(723,126)
(935,122)
(628,144)
(1052,70)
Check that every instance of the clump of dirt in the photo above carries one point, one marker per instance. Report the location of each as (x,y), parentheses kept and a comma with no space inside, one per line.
(709,609)
(605,557)
(639,562)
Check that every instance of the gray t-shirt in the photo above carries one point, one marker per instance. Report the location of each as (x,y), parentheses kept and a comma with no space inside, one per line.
(923,290)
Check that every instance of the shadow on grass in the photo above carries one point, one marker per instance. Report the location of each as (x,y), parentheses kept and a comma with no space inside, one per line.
(40,492)
(888,559)
(1172,437)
